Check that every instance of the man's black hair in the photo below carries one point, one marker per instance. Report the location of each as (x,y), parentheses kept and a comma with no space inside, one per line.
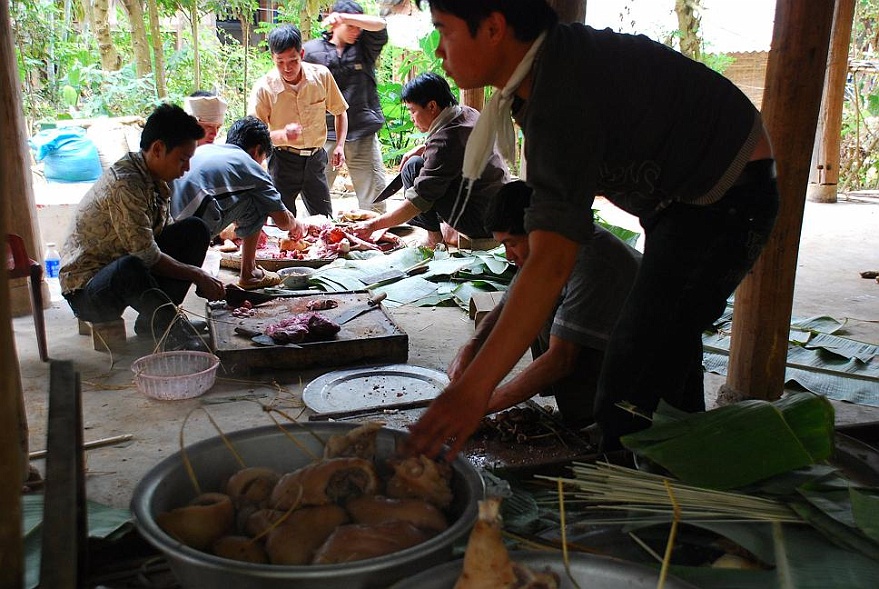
(171,125)
(426,87)
(283,38)
(248,132)
(347,7)
(200,93)
(528,18)
(506,213)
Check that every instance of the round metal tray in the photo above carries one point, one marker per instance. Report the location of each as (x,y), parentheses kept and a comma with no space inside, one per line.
(594,572)
(371,387)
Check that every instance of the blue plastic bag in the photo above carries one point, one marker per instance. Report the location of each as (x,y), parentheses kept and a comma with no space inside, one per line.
(67,155)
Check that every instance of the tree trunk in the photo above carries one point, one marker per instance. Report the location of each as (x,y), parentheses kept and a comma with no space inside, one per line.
(762,311)
(158,49)
(139,44)
(196,66)
(110,59)
(688,27)
(245,20)
(826,170)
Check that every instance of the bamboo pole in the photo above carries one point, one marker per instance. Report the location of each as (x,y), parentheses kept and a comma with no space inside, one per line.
(13,430)
(826,172)
(762,311)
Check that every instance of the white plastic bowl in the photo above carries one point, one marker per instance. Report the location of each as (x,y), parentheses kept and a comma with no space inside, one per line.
(295,276)
(171,376)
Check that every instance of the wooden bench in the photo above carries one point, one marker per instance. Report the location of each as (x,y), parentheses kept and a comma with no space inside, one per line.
(107,335)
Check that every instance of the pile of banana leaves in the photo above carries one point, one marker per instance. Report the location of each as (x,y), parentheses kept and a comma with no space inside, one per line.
(449,279)
(781,452)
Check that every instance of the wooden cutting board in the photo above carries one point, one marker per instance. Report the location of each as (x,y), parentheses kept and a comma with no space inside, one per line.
(372,337)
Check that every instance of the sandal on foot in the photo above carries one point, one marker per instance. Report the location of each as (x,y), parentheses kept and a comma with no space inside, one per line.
(268,279)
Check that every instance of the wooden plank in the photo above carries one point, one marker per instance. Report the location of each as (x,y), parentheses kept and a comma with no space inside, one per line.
(64,549)
(370,338)
(763,301)
(15,190)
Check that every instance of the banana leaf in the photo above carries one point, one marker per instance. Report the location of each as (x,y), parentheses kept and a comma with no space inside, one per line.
(812,420)
(103,522)
(815,563)
(738,444)
(408,290)
(865,509)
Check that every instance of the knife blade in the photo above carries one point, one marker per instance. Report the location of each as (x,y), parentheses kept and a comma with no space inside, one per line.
(390,190)
(369,305)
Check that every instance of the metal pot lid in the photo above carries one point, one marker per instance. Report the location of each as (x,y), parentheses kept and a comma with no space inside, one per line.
(373,387)
(595,572)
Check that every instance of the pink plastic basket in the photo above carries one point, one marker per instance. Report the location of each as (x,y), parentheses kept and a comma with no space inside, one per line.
(171,376)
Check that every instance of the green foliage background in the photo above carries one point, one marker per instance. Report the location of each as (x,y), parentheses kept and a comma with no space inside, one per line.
(61,76)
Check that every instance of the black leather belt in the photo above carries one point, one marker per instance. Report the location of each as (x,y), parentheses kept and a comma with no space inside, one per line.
(297,151)
(756,171)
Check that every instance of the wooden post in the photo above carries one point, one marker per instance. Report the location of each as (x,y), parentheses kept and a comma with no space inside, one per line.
(18,193)
(762,311)
(826,173)
(570,10)
(474,98)
(13,464)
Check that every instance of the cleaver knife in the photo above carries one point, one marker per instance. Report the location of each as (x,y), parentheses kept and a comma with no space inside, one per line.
(358,310)
(390,190)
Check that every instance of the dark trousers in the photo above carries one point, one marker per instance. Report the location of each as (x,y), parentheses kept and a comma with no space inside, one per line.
(293,174)
(694,258)
(127,282)
(428,220)
(575,393)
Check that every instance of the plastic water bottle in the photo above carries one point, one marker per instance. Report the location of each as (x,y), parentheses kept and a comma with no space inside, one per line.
(52,263)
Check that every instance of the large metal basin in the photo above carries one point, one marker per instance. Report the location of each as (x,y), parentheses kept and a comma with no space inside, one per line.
(167,486)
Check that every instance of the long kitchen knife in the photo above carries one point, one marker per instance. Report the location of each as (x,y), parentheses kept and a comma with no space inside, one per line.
(369,305)
(390,190)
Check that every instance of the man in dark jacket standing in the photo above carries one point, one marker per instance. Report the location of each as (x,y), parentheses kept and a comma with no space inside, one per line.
(349,48)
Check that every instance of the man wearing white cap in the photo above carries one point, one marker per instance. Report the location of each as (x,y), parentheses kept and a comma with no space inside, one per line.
(209,109)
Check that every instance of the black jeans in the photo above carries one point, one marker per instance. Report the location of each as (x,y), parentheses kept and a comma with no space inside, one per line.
(694,258)
(292,174)
(428,220)
(127,282)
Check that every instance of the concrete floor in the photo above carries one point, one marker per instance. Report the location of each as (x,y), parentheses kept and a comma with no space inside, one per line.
(838,242)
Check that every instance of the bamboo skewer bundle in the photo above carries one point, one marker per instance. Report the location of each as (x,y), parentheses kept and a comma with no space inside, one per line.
(611,487)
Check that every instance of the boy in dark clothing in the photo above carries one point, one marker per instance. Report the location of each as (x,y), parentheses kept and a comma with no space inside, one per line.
(693,162)
(350,49)
(569,350)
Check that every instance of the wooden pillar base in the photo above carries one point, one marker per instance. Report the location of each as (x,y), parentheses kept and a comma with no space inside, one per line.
(821,192)
(106,335)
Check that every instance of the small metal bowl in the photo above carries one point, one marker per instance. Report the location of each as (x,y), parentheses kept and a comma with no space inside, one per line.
(168,486)
(295,277)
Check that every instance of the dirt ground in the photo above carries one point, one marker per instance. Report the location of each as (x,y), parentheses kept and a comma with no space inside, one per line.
(838,242)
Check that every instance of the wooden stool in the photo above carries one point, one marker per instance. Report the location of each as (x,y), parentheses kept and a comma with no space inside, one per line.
(107,334)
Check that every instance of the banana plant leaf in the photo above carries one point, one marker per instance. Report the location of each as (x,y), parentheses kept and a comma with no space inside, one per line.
(865,509)
(626,235)
(104,522)
(814,562)
(828,365)
(407,290)
(738,444)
